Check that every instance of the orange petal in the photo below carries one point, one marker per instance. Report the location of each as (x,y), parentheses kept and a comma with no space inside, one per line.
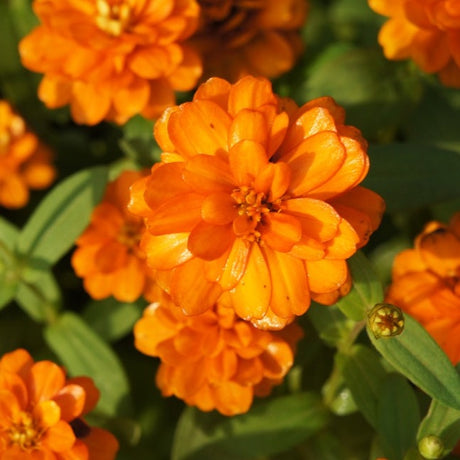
(250,93)
(178,214)
(247,159)
(129,281)
(273,180)
(149,332)
(281,231)
(137,204)
(277,360)
(99,285)
(17,362)
(55,91)
(351,173)
(90,104)
(214,89)
(344,244)
(185,76)
(60,437)
(131,99)
(319,220)
(209,241)
(277,132)
(161,97)
(45,380)
(200,127)
(251,296)
(191,290)
(9,407)
(164,183)
(408,261)
(13,192)
(166,251)
(152,62)
(111,257)
(309,123)
(290,291)
(235,264)
(47,413)
(71,400)
(91,392)
(218,209)
(248,125)
(232,398)
(206,173)
(315,161)
(326,275)
(101,444)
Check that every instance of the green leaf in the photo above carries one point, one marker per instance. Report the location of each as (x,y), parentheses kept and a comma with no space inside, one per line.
(416,355)
(410,176)
(363,374)
(270,427)
(41,299)
(443,422)
(398,416)
(111,319)
(9,272)
(61,217)
(84,353)
(366,291)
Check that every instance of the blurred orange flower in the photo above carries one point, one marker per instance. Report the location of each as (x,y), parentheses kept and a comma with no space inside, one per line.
(25,163)
(426,283)
(108,257)
(426,31)
(41,413)
(214,360)
(256,198)
(250,37)
(112,59)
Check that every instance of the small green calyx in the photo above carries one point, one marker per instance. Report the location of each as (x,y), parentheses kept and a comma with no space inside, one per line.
(385,320)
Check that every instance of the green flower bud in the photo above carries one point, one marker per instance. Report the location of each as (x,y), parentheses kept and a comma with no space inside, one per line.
(431,447)
(385,320)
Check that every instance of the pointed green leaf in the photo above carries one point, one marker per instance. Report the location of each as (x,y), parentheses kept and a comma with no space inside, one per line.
(398,416)
(41,299)
(9,272)
(270,427)
(84,353)
(409,176)
(416,355)
(366,291)
(363,374)
(111,319)
(61,217)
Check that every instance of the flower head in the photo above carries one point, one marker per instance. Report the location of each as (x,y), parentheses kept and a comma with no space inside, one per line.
(256,199)
(25,163)
(256,37)
(426,283)
(425,31)
(214,360)
(108,256)
(41,412)
(112,59)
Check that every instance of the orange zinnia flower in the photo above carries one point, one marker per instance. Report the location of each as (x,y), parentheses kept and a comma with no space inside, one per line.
(25,163)
(108,257)
(426,283)
(256,198)
(41,413)
(427,31)
(214,360)
(112,59)
(250,37)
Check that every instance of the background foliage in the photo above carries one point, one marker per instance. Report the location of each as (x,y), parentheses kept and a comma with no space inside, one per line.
(349,395)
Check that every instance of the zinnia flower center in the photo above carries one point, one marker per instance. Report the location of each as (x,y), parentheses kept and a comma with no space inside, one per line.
(228,18)
(130,234)
(24,432)
(113,18)
(251,207)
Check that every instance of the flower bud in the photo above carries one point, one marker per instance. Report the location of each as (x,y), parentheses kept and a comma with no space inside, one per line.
(431,447)
(385,320)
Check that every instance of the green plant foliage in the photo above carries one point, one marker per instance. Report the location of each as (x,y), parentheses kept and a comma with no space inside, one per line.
(409,176)
(84,353)
(398,416)
(269,428)
(417,356)
(366,290)
(61,217)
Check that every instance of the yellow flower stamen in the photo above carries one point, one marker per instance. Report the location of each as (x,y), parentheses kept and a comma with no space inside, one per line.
(24,432)
(130,234)
(113,19)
